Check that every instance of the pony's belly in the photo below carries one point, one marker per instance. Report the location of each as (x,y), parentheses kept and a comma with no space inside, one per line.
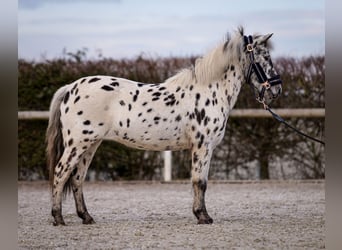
(155,141)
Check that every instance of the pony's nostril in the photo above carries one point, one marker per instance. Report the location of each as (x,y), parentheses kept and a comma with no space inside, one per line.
(275,95)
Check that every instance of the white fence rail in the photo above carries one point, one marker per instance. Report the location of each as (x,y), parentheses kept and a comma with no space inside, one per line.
(256,113)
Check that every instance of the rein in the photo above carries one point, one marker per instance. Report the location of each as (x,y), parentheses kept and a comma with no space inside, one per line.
(267,83)
(281,120)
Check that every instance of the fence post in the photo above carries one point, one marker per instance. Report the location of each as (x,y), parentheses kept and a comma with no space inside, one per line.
(167,165)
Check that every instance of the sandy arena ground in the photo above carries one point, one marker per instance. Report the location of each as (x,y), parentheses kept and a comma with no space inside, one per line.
(253,215)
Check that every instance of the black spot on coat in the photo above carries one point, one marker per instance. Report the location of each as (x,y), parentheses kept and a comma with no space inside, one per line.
(199,115)
(95,79)
(114,84)
(207,102)
(206,120)
(195,158)
(135,97)
(201,142)
(229,99)
(66,97)
(77,99)
(107,88)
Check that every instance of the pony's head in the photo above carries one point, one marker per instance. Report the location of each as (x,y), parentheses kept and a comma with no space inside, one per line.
(259,70)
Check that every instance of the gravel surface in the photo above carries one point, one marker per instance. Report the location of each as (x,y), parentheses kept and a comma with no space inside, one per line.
(253,215)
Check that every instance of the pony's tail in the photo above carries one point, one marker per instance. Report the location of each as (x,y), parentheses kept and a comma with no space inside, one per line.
(54,137)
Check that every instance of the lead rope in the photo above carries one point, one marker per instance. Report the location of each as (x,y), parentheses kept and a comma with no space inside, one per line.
(281,120)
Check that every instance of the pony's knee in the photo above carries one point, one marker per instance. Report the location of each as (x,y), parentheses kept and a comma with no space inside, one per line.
(201,163)
(199,185)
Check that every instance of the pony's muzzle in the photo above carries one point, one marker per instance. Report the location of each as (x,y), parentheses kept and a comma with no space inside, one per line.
(277,91)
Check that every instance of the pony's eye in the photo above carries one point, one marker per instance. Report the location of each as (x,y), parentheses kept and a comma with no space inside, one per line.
(268,59)
(271,63)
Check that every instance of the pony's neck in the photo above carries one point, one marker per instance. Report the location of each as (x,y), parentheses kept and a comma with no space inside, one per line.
(231,81)
(222,66)
(209,68)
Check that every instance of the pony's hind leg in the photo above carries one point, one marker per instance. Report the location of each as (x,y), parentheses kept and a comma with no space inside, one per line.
(200,170)
(62,173)
(77,179)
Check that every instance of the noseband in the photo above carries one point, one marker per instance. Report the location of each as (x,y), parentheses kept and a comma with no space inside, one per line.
(256,68)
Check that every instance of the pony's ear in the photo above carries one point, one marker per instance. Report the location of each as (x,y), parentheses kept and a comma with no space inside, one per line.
(241,31)
(265,38)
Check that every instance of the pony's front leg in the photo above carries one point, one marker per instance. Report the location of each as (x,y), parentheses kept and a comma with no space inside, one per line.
(200,169)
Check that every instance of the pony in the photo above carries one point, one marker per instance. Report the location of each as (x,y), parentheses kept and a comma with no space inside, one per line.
(188,111)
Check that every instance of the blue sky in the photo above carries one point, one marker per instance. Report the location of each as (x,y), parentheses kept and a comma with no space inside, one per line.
(127,28)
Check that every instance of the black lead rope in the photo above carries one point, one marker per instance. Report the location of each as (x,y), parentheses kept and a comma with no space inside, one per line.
(281,120)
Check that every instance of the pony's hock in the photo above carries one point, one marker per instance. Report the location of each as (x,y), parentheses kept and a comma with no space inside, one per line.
(187,111)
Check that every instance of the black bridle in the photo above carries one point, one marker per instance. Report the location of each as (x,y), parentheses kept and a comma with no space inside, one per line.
(266,83)
(255,67)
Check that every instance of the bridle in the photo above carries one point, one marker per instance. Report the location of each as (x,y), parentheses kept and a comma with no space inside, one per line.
(255,67)
(266,84)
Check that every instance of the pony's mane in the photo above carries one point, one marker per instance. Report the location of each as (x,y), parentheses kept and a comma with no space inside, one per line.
(211,66)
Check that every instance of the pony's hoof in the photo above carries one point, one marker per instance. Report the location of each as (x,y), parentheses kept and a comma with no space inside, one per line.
(205,221)
(88,221)
(59,223)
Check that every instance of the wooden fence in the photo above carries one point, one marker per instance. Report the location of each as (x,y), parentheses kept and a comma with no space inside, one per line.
(256,113)
(251,113)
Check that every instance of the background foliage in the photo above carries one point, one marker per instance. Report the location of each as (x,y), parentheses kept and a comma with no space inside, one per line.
(251,149)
